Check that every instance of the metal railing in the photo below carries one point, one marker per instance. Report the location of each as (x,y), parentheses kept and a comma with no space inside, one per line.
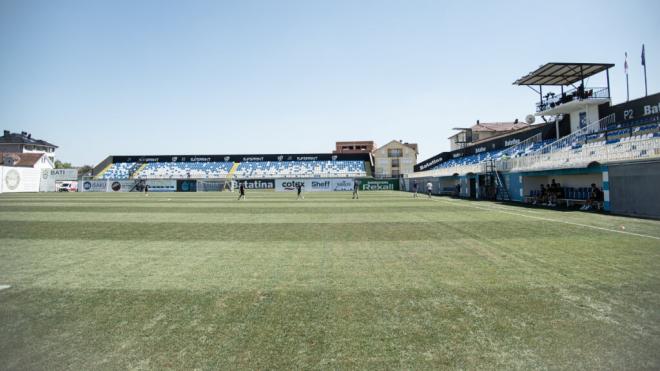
(572,151)
(599,152)
(551,100)
(522,146)
(546,152)
(449,171)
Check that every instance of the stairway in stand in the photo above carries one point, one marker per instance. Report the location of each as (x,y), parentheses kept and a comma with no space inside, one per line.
(230,177)
(137,171)
(502,193)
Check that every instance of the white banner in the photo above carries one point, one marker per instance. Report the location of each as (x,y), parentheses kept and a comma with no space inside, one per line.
(19,179)
(94,186)
(314,185)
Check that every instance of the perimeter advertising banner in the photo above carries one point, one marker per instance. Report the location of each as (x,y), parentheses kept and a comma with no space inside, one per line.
(186,186)
(122,185)
(379,185)
(49,177)
(258,183)
(314,185)
(19,179)
(161,185)
(94,186)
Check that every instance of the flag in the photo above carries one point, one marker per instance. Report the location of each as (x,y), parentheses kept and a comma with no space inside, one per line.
(643,57)
(625,64)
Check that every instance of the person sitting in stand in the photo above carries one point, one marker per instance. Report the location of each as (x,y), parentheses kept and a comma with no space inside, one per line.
(553,191)
(595,196)
(540,198)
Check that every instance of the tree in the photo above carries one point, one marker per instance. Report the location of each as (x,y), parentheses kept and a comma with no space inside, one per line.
(85,170)
(62,165)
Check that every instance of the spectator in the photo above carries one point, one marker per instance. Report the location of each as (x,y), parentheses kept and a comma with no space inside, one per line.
(552,193)
(595,197)
(540,198)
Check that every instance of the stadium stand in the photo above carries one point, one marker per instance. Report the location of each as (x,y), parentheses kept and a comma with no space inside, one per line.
(301,169)
(185,170)
(122,170)
(241,170)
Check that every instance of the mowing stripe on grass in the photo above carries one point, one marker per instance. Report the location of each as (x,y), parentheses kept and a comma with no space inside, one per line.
(551,220)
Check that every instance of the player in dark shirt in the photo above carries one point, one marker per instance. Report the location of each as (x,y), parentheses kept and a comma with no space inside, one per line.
(241,192)
(299,189)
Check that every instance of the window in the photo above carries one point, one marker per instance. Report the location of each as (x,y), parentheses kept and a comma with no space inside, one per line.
(394,152)
(395,173)
(395,162)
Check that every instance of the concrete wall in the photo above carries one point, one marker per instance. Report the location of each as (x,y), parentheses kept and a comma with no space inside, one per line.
(591,111)
(633,189)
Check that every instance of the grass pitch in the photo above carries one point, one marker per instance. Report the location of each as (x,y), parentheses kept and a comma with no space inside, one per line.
(201,281)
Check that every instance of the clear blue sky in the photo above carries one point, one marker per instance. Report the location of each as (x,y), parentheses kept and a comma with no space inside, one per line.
(169,77)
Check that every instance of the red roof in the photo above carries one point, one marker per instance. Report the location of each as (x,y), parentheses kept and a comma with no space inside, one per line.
(22,159)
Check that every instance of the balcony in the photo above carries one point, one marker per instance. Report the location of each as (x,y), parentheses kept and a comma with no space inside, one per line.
(567,102)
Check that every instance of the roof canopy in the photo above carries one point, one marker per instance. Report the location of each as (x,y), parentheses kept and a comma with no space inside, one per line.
(562,73)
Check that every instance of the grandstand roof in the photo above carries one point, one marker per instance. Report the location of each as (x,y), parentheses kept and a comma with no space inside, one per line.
(555,73)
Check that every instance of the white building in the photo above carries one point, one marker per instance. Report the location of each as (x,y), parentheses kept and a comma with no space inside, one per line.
(24,143)
(394,159)
(21,172)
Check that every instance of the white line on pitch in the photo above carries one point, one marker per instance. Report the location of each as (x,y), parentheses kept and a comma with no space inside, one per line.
(3,287)
(551,220)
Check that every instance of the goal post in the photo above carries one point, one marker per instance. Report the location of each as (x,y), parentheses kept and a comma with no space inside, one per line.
(211,185)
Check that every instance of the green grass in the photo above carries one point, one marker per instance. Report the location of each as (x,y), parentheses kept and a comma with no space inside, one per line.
(200,281)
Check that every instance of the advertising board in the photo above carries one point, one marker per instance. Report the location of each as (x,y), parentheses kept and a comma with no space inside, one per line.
(94,186)
(314,185)
(19,179)
(49,178)
(379,185)
(259,183)
(186,186)
(122,185)
(161,185)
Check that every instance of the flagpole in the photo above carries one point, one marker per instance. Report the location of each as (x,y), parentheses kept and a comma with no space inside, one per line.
(646,88)
(625,67)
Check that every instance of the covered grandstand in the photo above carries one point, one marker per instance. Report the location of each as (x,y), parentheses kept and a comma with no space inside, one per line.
(583,142)
(235,166)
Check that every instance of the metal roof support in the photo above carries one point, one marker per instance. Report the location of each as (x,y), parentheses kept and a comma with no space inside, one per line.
(607,73)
